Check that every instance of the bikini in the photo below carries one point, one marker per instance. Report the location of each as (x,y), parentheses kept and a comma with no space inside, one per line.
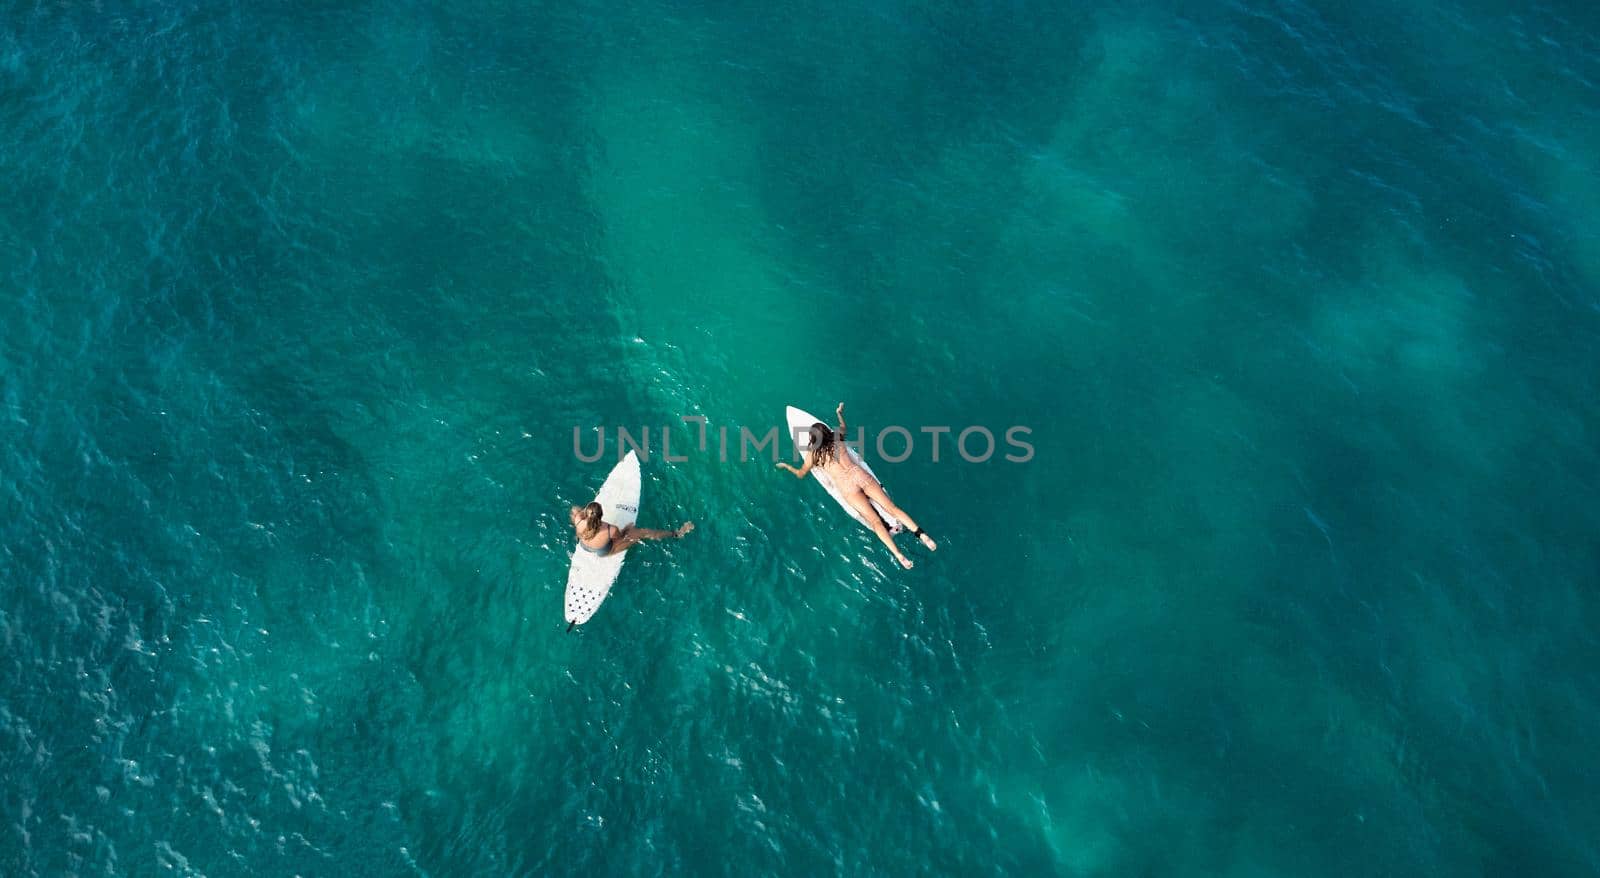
(602,551)
(849,472)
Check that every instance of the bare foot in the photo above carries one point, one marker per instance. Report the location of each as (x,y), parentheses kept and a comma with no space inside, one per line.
(928,541)
(904,561)
(685,528)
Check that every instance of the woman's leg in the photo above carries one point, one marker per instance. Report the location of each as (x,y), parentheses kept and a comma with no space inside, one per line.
(862,505)
(875,492)
(631,536)
(625,540)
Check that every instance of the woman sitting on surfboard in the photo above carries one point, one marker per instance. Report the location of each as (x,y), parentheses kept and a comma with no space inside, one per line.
(603,538)
(860,489)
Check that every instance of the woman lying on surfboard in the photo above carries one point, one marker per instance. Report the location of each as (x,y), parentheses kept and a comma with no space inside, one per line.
(603,538)
(858,487)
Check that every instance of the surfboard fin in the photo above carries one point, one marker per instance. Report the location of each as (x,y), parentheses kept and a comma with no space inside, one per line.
(570,624)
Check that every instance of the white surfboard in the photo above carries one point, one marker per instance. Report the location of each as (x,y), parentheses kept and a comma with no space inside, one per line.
(800,431)
(591,576)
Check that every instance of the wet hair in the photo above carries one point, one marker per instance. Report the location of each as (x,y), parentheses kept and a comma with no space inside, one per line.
(591,517)
(823,447)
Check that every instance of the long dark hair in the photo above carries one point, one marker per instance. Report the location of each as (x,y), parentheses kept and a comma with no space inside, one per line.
(591,518)
(823,448)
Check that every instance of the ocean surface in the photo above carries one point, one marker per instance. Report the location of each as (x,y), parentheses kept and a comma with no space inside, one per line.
(302,303)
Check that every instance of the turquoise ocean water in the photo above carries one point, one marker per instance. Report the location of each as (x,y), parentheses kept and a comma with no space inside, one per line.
(300,303)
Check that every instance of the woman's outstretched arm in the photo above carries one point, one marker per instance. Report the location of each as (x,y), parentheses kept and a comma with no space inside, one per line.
(801,472)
